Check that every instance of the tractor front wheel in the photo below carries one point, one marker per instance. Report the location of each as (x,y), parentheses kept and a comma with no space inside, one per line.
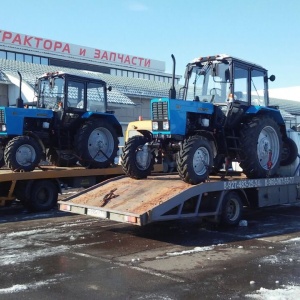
(137,158)
(194,159)
(261,147)
(22,154)
(96,144)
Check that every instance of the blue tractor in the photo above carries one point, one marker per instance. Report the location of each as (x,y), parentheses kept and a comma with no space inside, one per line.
(222,115)
(67,124)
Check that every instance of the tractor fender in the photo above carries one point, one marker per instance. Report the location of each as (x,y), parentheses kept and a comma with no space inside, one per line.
(270,112)
(110,118)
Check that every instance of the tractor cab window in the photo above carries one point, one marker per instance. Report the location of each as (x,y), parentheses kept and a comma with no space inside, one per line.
(208,82)
(50,92)
(240,83)
(75,94)
(258,88)
(96,97)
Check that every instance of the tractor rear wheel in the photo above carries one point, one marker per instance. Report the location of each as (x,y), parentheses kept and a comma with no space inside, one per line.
(261,147)
(194,159)
(96,144)
(22,154)
(137,159)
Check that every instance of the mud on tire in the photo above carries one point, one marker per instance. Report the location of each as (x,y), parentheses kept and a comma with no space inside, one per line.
(258,137)
(135,162)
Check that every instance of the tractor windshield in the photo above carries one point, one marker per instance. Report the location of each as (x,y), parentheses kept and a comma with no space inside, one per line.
(50,92)
(208,82)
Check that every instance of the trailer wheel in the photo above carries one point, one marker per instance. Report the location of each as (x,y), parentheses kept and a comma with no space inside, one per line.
(22,154)
(194,159)
(137,162)
(231,209)
(43,196)
(96,144)
(260,140)
(289,152)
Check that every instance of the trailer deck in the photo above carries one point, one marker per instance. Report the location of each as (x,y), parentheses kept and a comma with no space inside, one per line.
(167,197)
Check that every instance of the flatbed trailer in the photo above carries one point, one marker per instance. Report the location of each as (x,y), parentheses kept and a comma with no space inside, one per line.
(167,197)
(38,190)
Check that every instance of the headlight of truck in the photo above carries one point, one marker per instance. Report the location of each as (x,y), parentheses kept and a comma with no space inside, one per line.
(3,128)
(155,125)
(166,125)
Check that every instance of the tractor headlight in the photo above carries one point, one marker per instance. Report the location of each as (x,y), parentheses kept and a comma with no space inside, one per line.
(3,127)
(166,125)
(154,125)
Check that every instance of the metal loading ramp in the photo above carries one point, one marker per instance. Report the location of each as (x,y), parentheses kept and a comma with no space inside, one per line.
(157,198)
(125,199)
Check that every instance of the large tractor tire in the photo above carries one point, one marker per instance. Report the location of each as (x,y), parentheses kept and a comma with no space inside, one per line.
(96,144)
(22,154)
(195,159)
(137,159)
(261,147)
(289,152)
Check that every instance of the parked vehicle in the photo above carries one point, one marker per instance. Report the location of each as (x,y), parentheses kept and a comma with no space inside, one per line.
(222,115)
(67,124)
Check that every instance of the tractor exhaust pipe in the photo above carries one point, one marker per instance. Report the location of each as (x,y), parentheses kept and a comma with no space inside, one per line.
(172,92)
(19,102)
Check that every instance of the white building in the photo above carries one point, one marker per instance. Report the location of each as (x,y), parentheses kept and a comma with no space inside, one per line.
(135,80)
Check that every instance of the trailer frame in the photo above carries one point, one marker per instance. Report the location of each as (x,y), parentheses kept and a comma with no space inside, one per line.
(206,200)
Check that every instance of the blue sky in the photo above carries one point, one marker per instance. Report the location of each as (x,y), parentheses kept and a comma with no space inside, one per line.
(266,32)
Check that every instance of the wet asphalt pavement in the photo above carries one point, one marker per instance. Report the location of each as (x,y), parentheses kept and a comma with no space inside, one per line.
(55,255)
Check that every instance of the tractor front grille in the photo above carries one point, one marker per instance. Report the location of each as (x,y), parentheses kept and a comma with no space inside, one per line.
(160,111)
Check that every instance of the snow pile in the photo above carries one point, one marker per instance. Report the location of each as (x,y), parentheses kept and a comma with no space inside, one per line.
(284,293)
(22,287)
(195,250)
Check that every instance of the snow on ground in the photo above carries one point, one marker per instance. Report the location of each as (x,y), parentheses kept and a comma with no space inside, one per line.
(291,292)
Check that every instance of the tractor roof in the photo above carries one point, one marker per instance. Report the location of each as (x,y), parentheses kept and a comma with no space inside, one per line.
(224,57)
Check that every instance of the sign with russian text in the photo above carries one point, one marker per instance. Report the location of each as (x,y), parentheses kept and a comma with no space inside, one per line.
(40,46)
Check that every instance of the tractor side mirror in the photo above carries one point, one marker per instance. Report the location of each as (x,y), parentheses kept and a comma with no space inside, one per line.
(272,78)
